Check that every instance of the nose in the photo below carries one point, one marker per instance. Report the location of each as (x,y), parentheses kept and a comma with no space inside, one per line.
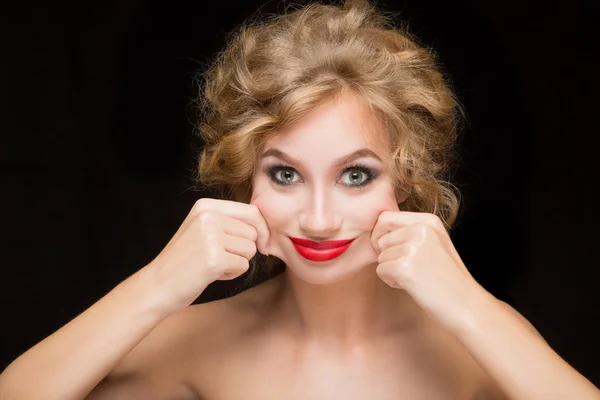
(320,218)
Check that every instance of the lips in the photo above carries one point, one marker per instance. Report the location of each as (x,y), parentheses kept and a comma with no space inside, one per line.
(320,251)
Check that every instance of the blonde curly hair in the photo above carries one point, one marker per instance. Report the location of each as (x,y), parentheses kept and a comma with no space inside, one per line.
(274,72)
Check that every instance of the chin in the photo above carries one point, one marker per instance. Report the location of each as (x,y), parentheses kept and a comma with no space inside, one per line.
(328,273)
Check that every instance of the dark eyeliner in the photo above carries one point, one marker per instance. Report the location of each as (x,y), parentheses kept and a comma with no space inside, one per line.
(370,173)
(274,169)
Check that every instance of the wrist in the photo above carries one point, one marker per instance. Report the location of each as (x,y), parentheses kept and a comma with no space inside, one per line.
(151,293)
(164,295)
(478,308)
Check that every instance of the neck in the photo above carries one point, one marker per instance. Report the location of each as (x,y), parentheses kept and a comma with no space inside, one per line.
(347,311)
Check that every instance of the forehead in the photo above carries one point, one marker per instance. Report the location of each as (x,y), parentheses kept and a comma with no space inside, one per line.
(334,128)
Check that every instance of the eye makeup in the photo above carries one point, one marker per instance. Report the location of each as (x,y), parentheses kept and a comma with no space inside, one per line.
(285,175)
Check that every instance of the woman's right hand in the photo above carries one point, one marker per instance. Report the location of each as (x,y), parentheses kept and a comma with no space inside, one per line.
(215,242)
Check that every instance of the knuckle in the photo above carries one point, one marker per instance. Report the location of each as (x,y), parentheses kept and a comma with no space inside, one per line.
(381,242)
(435,221)
(250,251)
(422,229)
(243,265)
(390,268)
(384,216)
(201,204)
(254,235)
(412,249)
(212,262)
(208,218)
(254,209)
(254,212)
(380,269)
(404,267)
(384,268)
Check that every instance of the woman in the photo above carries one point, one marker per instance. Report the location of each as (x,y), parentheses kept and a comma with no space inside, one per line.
(333,132)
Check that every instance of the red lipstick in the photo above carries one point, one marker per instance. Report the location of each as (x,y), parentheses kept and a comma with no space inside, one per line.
(320,251)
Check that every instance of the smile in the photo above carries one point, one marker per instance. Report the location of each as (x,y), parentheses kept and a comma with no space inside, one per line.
(320,251)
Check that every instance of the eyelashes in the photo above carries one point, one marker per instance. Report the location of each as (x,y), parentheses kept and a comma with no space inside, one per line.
(359,175)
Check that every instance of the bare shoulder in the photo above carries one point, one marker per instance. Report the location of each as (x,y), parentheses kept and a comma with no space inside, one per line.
(161,365)
(154,368)
(174,359)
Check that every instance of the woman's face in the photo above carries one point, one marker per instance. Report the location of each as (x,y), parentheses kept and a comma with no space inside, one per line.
(325,178)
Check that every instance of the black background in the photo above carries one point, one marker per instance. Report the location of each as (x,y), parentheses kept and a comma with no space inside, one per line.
(97,151)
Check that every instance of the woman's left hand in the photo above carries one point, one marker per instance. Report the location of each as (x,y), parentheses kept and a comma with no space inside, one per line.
(417,255)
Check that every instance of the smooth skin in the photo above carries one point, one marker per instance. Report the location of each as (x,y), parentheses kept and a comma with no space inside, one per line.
(398,316)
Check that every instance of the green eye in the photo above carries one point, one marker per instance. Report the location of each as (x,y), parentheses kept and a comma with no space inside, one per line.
(355,177)
(285,175)
(282,175)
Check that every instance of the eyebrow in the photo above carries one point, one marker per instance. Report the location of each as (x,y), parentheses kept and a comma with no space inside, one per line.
(348,158)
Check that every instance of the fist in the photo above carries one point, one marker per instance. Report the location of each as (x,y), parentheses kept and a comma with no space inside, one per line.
(215,242)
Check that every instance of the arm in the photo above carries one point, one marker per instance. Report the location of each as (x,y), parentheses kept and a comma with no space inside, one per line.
(215,241)
(417,254)
(516,357)
(72,361)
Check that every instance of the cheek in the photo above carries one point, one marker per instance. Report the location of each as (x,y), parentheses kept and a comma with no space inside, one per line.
(270,209)
(365,210)
(280,213)
(277,208)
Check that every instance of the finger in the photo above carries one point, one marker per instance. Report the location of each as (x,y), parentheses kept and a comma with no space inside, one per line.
(236,266)
(396,237)
(235,227)
(238,245)
(423,221)
(247,213)
(387,273)
(392,220)
(251,215)
(257,220)
(389,221)
(395,253)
